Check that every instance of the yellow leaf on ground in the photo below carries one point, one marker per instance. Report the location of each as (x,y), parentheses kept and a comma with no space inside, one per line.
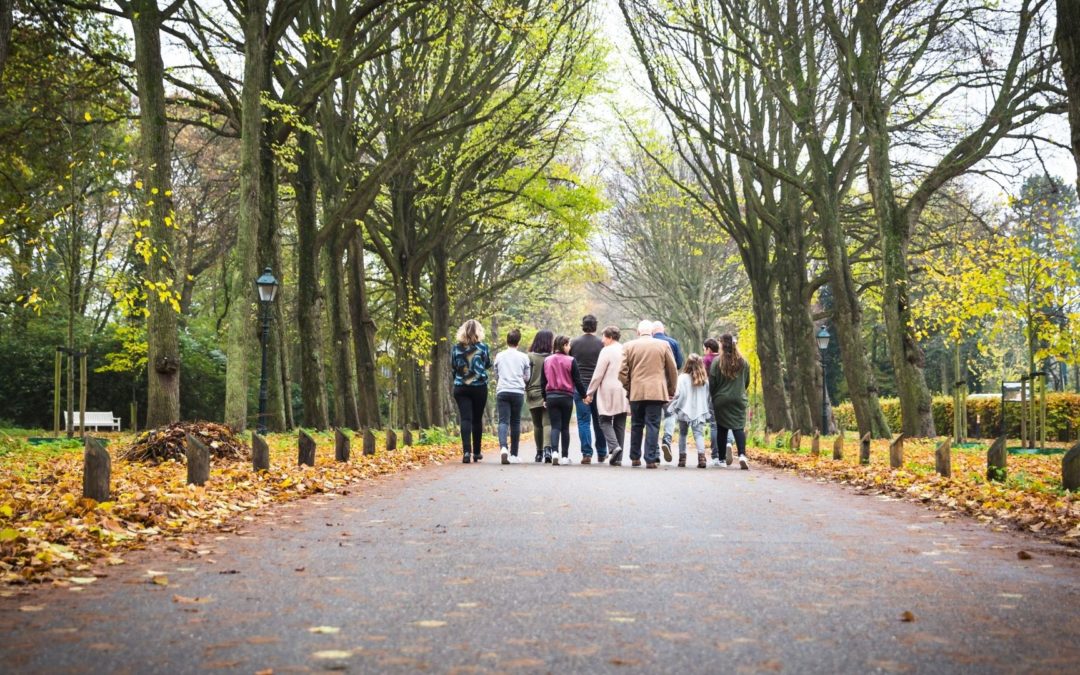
(160,580)
(325,630)
(82,581)
(430,623)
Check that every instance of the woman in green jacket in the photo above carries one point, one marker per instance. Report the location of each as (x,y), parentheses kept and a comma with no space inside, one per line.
(539,350)
(729,379)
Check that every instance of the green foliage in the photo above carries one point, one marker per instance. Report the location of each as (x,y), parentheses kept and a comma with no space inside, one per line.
(1062,415)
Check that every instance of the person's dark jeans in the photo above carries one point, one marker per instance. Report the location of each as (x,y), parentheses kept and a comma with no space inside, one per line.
(559,409)
(470,402)
(509,405)
(541,427)
(645,422)
(740,438)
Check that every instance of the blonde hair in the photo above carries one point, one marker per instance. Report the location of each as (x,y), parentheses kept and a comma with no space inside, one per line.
(695,368)
(470,333)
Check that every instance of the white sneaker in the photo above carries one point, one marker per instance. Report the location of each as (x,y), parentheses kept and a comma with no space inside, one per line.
(744,463)
(715,462)
(514,459)
(567,460)
(555,457)
(505,455)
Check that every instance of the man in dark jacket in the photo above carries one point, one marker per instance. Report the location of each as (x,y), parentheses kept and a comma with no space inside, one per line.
(669,420)
(586,351)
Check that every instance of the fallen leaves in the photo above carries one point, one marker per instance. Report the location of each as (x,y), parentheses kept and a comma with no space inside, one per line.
(160,580)
(1031,498)
(324,630)
(184,600)
(907,617)
(429,623)
(47,531)
(1023,555)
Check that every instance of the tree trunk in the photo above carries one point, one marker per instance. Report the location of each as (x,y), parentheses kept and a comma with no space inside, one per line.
(777,415)
(438,384)
(1067,38)
(270,254)
(907,357)
(802,381)
(155,174)
(242,277)
(7,8)
(363,335)
(847,319)
(344,368)
(309,300)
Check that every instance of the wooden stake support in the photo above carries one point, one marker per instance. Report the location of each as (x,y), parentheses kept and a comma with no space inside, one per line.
(896,452)
(342,446)
(815,445)
(260,453)
(391,440)
(838,448)
(306,446)
(369,442)
(97,469)
(198,461)
(943,458)
(996,460)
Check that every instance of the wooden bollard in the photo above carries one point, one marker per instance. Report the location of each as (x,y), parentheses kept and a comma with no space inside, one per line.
(391,439)
(943,458)
(369,442)
(260,453)
(864,449)
(306,447)
(342,446)
(406,437)
(815,445)
(198,461)
(896,452)
(97,469)
(796,441)
(996,460)
(1070,469)
(838,448)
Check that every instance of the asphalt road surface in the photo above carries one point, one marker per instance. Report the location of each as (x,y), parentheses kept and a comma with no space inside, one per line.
(590,569)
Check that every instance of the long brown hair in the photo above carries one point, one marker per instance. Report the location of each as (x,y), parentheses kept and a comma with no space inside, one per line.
(695,368)
(731,361)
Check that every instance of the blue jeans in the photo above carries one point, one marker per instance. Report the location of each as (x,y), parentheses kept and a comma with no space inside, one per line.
(509,406)
(588,428)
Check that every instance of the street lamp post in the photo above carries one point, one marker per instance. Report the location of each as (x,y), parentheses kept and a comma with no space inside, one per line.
(267,285)
(823,344)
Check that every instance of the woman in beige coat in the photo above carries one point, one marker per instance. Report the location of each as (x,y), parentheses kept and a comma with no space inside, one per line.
(609,393)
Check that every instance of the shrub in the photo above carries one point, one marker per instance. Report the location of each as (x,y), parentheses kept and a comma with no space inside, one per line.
(984,412)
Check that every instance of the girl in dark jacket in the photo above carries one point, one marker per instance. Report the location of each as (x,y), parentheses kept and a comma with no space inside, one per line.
(558,382)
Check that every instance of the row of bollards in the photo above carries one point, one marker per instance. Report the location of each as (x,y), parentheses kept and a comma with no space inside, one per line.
(97,464)
(996,456)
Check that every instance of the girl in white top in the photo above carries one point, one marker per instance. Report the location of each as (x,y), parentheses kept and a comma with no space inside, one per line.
(691,406)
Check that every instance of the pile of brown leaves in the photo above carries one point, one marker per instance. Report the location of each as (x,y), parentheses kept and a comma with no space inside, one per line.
(1030,498)
(48,533)
(165,443)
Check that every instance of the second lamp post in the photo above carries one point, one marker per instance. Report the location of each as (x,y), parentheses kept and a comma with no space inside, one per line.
(823,344)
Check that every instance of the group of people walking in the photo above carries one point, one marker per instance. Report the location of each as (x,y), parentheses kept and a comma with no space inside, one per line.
(603,381)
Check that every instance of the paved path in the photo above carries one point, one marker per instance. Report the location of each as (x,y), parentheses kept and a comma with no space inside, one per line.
(531,568)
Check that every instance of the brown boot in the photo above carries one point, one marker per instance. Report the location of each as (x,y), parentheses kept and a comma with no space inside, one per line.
(587,459)
(701,460)
(682,459)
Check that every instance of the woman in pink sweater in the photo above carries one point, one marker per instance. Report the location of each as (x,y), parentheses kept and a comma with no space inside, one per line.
(558,382)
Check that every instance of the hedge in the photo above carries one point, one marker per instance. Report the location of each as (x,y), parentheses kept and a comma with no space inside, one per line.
(1062,416)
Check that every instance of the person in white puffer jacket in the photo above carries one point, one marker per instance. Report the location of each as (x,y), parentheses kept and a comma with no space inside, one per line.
(691,406)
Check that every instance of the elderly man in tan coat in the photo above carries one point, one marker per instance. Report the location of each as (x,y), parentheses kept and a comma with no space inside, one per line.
(649,375)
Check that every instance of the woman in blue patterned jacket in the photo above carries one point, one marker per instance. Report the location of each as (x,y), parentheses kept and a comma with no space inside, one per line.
(470,360)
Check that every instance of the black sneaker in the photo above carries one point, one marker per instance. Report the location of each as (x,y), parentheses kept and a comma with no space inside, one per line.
(465,459)
(539,456)
(547,455)
(477,457)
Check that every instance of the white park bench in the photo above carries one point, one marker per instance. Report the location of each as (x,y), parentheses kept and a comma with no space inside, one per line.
(97,420)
